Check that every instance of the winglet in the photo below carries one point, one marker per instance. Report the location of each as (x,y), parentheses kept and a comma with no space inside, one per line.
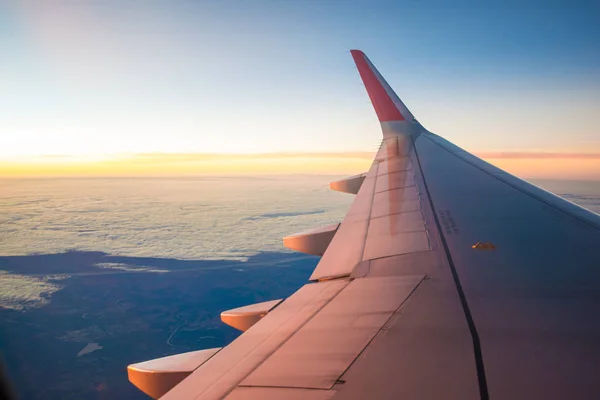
(387,104)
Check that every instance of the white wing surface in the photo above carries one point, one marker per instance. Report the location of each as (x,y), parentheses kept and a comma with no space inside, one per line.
(448,278)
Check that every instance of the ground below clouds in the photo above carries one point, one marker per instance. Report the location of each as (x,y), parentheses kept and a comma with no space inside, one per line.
(132,315)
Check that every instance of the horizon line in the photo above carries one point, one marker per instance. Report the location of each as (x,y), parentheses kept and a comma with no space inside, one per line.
(201,156)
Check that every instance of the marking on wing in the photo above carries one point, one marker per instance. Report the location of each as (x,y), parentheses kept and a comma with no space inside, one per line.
(484,246)
(448,223)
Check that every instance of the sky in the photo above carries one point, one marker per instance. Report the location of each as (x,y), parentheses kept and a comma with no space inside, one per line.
(180,87)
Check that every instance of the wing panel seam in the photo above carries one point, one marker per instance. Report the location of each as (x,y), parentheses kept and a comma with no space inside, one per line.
(481,378)
(383,327)
(364,248)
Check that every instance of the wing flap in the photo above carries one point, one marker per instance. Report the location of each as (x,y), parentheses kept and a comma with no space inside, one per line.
(220,374)
(264,393)
(318,354)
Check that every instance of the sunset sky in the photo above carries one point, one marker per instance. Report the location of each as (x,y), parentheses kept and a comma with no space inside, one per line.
(166,88)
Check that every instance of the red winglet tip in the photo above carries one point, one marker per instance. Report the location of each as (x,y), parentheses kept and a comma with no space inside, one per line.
(384,106)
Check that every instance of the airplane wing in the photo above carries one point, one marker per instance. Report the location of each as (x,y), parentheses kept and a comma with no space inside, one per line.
(448,278)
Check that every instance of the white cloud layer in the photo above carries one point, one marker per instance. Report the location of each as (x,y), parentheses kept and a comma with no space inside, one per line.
(196,218)
(184,218)
(18,292)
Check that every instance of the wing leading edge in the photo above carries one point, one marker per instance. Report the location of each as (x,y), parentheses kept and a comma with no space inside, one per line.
(448,278)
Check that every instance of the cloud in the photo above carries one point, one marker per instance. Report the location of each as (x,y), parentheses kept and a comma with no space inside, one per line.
(590,202)
(284,214)
(130,268)
(18,292)
(185,218)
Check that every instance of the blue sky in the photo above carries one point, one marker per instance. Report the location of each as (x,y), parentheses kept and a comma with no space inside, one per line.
(113,77)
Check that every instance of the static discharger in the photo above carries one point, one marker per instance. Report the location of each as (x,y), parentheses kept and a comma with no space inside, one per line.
(484,246)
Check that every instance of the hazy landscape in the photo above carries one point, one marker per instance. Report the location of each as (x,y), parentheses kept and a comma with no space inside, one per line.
(100,273)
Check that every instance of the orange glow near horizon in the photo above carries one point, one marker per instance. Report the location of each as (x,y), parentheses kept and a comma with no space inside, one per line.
(145,165)
(587,169)
(523,164)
